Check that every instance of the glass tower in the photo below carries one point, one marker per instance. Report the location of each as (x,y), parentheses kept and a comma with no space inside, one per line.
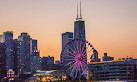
(66,37)
(24,51)
(9,49)
(79,30)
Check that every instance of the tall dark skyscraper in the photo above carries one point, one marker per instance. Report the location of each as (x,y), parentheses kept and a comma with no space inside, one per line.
(35,57)
(15,56)
(79,26)
(25,44)
(21,57)
(79,29)
(7,38)
(3,71)
(66,37)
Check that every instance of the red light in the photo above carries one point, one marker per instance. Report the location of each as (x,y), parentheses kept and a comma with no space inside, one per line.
(81,58)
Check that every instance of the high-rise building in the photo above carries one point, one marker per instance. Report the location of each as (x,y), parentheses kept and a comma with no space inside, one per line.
(107,58)
(2,61)
(29,58)
(7,38)
(66,37)
(79,31)
(21,57)
(79,26)
(24,39)
(15,56)
(35,61)
(35,57)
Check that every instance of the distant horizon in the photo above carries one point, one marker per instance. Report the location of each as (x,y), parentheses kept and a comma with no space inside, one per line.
(111,25)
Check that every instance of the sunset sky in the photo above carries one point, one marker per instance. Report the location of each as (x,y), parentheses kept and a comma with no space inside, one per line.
(111,25)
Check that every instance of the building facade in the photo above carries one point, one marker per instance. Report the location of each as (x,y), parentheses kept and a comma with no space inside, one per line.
(24,53)
(15,56)
(79,29)
(121,70)
(21,61)
(35,61)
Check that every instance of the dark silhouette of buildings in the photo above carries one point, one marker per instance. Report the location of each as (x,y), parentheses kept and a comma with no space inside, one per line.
(29,58)
(48,64)
(48,60)
(107,58)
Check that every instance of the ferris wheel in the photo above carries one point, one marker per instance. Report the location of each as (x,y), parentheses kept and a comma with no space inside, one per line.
(75,56)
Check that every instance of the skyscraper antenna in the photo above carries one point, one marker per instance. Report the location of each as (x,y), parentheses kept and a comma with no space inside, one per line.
(77,13)
(80,11)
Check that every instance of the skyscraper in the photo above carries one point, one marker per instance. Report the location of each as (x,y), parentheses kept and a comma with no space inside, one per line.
(35,61)
(3,71)
(66,37)
(24,39)
(21,57)
(15,56)
(29,58)
(79,30)
(7,38)
(35,57)
(79,26)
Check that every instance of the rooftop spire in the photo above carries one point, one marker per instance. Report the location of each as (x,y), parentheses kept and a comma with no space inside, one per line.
(80,11)
(77,13)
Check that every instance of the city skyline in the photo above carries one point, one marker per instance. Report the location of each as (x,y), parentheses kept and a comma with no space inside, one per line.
(108,32)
